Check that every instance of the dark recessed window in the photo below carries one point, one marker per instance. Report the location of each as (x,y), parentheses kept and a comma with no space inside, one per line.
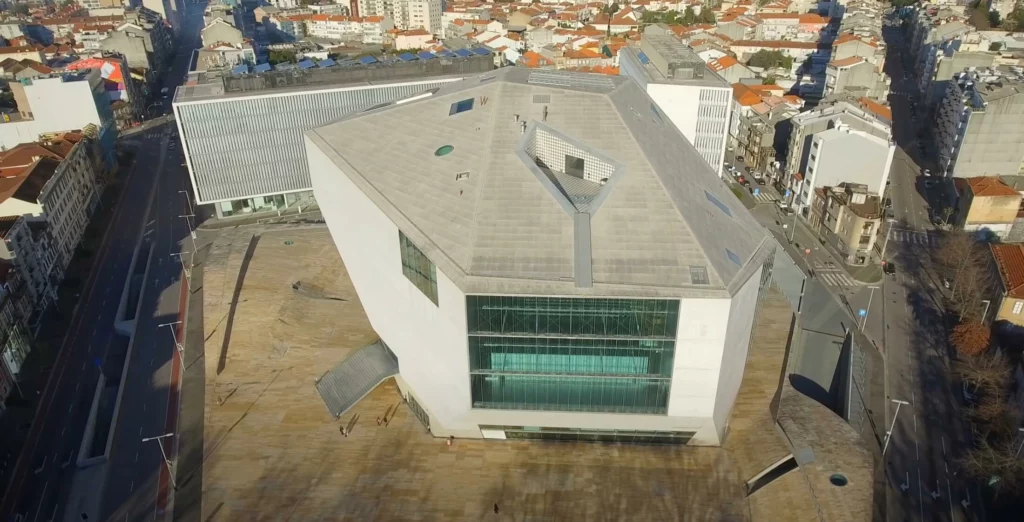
(462,106)
(417,268)
(574,166)
(733,257)
(718,203)
(699,275)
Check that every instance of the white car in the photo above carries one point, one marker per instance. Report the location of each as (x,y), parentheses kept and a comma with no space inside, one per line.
(926,173)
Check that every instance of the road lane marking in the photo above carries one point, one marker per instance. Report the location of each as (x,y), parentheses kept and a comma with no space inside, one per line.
(62,431)
(136,456)
(915,422)
(943,439)
(140,430)
(132,486)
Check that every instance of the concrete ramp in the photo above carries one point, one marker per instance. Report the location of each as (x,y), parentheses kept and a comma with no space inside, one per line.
(344,386)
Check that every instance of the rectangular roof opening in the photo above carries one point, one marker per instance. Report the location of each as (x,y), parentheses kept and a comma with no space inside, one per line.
(716,202)
(461,106)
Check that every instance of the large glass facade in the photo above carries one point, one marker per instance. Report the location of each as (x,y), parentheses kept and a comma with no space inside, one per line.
(570,354)
(417,268)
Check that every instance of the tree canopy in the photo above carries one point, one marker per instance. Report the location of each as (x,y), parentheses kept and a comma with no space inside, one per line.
(769,59)
(277,57)
(970,338)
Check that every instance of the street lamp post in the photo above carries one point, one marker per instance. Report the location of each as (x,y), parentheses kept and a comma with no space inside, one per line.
(886,242)
(177,345)
(191,211)
(167,462)
(192,231)
(888,434)
(186,270)
(985,313)
(867,310)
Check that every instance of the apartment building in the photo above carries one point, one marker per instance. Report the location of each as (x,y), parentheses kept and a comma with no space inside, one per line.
(1008,302)
(838,155)
(369,29)
(15,309)
(48,195)
(807,27)
(60,102)
(848,218)
(690,95)
(825,116)
(406,14)
(145,42)
(476,332)
(979,124)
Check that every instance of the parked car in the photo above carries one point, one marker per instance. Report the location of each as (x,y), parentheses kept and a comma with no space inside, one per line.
(745,182)
(739,159)
(888,202)
(889,268)
(760,180)
(926,173)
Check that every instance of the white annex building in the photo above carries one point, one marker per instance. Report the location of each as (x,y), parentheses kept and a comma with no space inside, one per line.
(543,256)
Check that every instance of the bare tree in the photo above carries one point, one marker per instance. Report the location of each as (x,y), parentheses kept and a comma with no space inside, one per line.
(989,371)
(965,263)
(987,461)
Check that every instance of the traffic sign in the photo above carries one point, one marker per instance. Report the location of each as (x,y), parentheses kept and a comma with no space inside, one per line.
(862,312)
(757,191)
(787,193)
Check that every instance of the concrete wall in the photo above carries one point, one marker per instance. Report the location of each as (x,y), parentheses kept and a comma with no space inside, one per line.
(742,311)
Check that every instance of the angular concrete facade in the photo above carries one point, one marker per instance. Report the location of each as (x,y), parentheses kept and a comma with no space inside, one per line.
(475,216)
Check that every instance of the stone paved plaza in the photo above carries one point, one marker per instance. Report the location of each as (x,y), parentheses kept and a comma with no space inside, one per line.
(273,452)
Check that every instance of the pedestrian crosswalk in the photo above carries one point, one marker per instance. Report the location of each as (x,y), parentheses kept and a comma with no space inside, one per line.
(766,197)
(915,237)
(835,278)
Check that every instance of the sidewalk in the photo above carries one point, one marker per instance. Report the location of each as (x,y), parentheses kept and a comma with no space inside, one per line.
(188,470)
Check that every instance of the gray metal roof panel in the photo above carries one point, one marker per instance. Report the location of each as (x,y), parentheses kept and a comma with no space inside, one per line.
(502,230)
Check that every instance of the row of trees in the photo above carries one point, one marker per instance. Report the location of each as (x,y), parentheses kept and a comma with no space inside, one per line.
(770,59)
(984,370)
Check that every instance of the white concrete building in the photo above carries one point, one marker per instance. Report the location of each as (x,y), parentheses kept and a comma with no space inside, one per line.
(406,14)
(844,155)
(59,102)
(692,96)
(493,259)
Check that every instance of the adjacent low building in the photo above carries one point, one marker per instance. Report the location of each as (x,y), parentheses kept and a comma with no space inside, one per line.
(848,218)
(986,206)
(242,134)
(494,259)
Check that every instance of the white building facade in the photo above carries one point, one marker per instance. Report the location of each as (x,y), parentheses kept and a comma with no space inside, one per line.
(556,334)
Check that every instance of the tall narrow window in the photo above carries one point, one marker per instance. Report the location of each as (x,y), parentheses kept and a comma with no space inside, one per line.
(417,268)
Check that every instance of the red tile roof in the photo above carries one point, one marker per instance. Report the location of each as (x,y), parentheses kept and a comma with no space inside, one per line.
(744,95)
(877,108)
(1010,260)
(846,62)
(990,186)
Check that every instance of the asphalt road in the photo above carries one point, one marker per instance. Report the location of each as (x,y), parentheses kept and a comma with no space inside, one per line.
(42,480)
(905,316)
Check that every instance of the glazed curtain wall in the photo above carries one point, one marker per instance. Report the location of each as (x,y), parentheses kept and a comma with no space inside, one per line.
(570,354)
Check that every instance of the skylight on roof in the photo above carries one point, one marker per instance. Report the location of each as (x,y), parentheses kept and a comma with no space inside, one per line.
(657,115)
(716,202)
(733,257)
(461,106)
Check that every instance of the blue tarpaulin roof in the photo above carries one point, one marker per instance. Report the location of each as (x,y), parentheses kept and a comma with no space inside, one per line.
(240,69)
(367,60)
(306,64)
(407,57)
(426,56)
(326,63)
(481,51)
(465,53)
(263,67)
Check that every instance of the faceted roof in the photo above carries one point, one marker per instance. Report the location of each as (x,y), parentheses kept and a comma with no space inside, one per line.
(557,182)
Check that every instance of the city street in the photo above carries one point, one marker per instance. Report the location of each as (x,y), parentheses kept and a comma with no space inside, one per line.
(906,317)
(44,473)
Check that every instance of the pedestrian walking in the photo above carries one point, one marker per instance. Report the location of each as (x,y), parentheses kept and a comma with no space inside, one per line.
(378,421)
(495,508)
